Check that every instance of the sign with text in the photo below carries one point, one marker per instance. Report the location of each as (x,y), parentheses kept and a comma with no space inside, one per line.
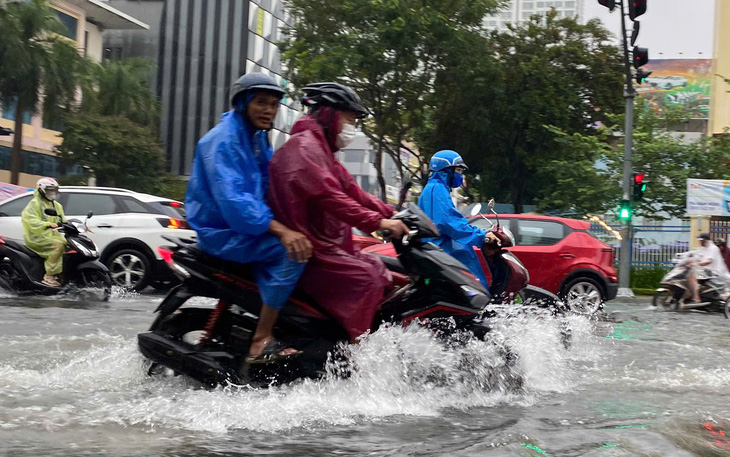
(708,197)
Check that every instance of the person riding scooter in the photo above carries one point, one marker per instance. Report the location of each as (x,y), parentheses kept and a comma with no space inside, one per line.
(37,229)
(457,237)
(708,264)
(226,205)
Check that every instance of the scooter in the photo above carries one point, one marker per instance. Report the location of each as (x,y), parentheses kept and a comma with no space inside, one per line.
(22,270)
(210,345)
(714,294)
(509,278)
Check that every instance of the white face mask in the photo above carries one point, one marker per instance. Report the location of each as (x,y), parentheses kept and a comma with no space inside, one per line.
(345,137)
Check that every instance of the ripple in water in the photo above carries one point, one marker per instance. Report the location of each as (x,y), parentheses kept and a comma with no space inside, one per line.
(398,372)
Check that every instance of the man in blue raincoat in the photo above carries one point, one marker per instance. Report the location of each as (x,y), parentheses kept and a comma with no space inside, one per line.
(457,236)
(226,205)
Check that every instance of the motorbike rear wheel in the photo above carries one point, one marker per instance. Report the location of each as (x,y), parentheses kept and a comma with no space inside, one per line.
(97,279)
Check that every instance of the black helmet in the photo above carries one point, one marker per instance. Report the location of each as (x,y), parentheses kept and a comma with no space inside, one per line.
(721,242)
(334,95)
(255,81)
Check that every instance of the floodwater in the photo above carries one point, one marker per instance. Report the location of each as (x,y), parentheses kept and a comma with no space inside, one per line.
(636,382)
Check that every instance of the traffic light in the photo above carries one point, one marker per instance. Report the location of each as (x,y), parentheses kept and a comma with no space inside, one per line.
(641,56)
(610,4)
(624,212)
(641,76)
(636,8)
(640,185)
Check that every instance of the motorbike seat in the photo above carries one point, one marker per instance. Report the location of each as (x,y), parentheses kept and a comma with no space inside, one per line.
(20,246)
(392,263)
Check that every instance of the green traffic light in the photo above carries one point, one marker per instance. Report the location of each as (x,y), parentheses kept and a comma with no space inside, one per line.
(643,187)
(625,213)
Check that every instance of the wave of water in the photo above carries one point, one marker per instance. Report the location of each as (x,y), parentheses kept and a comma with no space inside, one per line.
(398,372)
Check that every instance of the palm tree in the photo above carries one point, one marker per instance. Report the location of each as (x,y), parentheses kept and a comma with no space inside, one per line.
(37,63)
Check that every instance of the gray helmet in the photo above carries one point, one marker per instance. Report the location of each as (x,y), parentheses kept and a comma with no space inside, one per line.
(255,81)
(334,95)
(721,242)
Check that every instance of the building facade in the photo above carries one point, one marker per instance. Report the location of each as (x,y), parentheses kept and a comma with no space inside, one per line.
(84,20)
(720,97)
(516,11)
(202,47)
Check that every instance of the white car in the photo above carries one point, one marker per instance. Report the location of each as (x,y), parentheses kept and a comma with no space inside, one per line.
(126,226)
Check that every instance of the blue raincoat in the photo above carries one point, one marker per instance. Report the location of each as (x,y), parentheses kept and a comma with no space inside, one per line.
(226,205)
(457,236)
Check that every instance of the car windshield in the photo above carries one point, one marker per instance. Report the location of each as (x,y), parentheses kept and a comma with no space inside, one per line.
(169,208)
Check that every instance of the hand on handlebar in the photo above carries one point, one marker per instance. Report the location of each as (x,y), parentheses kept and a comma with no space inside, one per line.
(394,227)
(52,226)
(492,238)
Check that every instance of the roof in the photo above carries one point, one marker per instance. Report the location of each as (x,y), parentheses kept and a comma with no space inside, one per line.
(107,17)
(575,224)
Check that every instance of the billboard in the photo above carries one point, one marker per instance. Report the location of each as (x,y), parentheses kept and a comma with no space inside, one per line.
(684,82)
(708,197)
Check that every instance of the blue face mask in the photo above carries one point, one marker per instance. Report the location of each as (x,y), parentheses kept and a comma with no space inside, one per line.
(458,180)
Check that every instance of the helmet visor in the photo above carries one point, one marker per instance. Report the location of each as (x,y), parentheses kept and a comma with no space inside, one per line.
(51,193)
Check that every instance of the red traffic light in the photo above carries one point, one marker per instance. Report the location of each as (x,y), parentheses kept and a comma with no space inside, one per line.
(610,4)
(638,178)
(641,56)
(636,8)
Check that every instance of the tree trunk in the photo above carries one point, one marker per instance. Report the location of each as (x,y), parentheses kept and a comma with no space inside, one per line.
(16,155)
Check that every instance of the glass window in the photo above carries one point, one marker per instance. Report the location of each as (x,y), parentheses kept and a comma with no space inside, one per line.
(526,14)
(570,4)
(354,156)
(539,233)
(507,15)
(169,208)
(528,5)
(133,206)
(70,24)
(541,4)
(9,111)
(80,204)
(569,13)
(15,207)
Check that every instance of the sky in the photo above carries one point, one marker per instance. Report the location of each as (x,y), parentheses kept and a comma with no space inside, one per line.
(671,29)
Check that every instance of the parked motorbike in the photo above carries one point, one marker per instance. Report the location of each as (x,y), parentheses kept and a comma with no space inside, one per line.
(22,270)
(714,294)
(210,345)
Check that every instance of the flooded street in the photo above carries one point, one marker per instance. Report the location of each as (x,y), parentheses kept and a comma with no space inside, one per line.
(636,382)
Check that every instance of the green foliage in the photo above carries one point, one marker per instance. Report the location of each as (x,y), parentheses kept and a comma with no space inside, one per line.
(501,92)
(666,159)
(36,59)
(120,152)
(388,51)
(647,278)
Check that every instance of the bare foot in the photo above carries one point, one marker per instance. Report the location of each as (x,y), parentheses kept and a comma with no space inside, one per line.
(257,347)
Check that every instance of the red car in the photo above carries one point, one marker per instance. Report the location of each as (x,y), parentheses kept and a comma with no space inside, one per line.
(562,257)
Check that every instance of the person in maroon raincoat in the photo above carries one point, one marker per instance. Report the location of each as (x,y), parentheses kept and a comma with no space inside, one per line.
(312,193)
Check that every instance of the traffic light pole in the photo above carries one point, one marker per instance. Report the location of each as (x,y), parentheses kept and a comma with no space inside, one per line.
(624,267)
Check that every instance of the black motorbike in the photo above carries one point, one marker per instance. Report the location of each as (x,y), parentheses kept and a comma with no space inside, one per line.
(22,270)
(210,345)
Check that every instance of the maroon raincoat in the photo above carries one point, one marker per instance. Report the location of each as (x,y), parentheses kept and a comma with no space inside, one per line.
(312,193)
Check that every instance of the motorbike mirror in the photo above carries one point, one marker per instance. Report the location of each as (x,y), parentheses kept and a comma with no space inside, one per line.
(476,209)
(88,216)
(491,204)
(50,212)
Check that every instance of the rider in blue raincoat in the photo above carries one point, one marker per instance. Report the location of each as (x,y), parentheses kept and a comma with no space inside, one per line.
(457,236)
(226,205)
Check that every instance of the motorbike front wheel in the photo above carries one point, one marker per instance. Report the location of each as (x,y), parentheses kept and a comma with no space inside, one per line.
(727,308)
(97,279)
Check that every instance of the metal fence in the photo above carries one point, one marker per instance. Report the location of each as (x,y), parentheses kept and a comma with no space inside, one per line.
(652,246)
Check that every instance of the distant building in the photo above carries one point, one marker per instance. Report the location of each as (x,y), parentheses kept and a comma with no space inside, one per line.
(359,159)
(516,11)
(84,20)
(201,48)
(720,98)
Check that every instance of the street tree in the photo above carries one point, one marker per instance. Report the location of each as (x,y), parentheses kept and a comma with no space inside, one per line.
(587,174)
(39,66)
(498,99)
(119,151)
(389,52)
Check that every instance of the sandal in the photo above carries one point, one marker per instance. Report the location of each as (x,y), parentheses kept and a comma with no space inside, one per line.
(271,353)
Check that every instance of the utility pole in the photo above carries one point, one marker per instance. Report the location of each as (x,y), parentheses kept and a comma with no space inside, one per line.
(640,57)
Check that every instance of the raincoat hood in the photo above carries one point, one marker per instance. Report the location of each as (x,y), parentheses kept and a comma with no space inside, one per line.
(324,121)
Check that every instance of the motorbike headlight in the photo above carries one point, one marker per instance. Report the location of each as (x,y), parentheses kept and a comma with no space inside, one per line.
(471,291)
(83,249)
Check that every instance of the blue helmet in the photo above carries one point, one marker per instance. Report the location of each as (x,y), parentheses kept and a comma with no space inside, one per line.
(446,159)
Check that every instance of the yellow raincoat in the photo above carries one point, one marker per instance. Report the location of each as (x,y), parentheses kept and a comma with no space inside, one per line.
(39,237)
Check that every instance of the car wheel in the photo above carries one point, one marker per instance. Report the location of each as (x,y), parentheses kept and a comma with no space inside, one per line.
(129,268)
(583,296)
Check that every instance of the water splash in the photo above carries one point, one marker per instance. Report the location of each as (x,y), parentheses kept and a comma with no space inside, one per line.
(398,372)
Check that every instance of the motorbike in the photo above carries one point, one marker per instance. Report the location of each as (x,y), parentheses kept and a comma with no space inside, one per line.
(22,270)
(674,290)
(431,288)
